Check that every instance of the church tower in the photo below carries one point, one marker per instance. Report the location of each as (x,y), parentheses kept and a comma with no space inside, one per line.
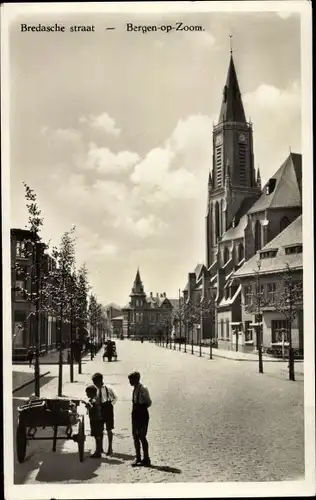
(137,296)
(233,177)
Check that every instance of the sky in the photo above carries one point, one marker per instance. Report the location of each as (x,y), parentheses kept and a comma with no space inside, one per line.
(113,131)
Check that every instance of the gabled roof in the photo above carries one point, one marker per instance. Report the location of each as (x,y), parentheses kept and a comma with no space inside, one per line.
(234,233)
(232,109)
(291,235)
(288,187)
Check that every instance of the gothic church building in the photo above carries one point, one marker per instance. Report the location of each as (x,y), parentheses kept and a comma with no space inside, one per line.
(241,217)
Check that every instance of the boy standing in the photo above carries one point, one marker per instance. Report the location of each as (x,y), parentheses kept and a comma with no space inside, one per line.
(140,418)
(106,399)
(96,421)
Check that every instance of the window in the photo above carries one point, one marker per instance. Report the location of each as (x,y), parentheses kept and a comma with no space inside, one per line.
(258,241)
(270,186)
(293,249)
(242,164)
(271,292)
(219,166)
(19,290)
(227,328)
(226,255)
(279,331)
(18,334)
(217,228)
(222,328)
(269,254)
(241,252)
(248,332)
(248,294)
(226,293)
(284,223)
(20,249)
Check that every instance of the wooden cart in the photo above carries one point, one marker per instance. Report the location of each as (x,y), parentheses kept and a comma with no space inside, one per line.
(48,412)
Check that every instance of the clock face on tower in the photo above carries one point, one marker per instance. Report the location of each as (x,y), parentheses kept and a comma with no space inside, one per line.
(242,138)
(218,140)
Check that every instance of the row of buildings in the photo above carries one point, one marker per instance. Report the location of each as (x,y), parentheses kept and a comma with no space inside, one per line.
(25,328)
(253,248)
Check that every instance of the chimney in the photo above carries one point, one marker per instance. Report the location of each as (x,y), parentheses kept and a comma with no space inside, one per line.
(164,294)
(151,294)
(157,295)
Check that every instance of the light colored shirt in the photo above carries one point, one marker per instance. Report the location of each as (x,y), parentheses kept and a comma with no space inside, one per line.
(141,395)
(106,394)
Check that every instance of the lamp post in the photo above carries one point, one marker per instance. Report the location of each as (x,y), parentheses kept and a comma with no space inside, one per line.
(180,321)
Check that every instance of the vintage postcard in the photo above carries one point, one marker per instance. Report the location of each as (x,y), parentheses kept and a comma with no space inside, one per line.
(158,249)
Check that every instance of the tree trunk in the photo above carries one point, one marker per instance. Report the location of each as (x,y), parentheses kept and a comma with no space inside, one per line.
(71,347)
(37,321)
(291,354)
(60,362)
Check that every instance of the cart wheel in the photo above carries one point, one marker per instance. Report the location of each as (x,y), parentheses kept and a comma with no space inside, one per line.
(21,441)
(81,439)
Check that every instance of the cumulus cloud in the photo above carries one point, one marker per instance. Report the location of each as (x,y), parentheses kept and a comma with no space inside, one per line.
(63,134)
(276,114)
(175,171)
(104,161)
(103,122)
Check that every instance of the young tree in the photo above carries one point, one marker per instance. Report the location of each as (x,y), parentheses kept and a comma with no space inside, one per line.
(32,276)
(207,312)
(257,301)
(288,301)
(82,310)
(65,258)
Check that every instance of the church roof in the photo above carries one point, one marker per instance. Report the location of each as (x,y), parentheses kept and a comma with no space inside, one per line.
(241,218)
(232,109)
(291,235)
(287,191)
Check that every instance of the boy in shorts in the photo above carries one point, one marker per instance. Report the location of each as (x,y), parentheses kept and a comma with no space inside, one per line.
(106,399)
(96,420)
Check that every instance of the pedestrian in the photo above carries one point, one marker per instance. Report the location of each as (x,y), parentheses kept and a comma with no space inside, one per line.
(140,419)
(106,399)
(96,420)
(30,354)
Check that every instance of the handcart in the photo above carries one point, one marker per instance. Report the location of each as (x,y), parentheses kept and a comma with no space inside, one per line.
(48,412)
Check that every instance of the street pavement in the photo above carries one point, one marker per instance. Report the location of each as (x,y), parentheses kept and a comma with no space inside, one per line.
(211,421)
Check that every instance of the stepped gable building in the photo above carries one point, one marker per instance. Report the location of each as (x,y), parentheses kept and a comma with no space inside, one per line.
(147,315)
(241,217)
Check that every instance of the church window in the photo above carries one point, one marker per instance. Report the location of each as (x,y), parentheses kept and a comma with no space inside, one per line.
(241,252)
(226,255)
(284,223)
(258,239)
(242,164)
(222,328)
(217,230)
(219,166)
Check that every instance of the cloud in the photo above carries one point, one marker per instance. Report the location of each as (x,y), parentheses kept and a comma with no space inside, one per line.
(63,134)
(103,122)
(276,115)
(147,226)
(104,161)
(176,170)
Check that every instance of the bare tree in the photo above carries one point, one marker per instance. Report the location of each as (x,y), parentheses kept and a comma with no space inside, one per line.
(288,301)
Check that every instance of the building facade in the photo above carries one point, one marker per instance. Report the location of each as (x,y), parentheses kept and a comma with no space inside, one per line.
(147,316)
(22,308)
(241,217)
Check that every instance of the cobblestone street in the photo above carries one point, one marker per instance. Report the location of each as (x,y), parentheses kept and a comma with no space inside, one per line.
(211,420)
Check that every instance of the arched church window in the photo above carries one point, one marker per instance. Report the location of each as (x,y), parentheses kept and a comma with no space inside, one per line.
(258,239)
(226,255)
(217,227)
(241,252)
(284,223)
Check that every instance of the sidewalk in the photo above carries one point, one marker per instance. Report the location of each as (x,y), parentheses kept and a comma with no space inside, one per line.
(239,356)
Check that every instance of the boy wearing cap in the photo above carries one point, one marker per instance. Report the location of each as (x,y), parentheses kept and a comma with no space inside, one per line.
(140,418)
(106,399)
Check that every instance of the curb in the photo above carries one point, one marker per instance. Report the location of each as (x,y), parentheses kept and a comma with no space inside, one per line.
(28,383)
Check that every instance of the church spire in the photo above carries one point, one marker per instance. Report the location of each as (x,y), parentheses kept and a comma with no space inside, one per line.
(258,179)
(232,109)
